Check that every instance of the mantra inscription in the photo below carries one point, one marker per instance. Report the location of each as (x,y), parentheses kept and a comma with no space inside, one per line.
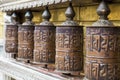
(69,42)
(25,42)
(102,53)
(44,44)
(11,44)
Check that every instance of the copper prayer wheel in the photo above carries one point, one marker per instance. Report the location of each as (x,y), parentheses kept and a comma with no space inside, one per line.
(25,38)
(44,40)
(102,55)
(69,45)
(11,45)
(102,48)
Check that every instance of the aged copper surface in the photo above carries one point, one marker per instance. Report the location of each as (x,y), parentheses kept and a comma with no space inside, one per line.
(25,38)
(69,45)
(102,48)
(44,40)
(102,53)
(69,48)
(11,43)
(44,44)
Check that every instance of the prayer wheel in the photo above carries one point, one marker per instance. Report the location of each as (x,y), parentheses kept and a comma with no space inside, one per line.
(44,40)
(102,48)
(11,43)
(25,38)
(69,45)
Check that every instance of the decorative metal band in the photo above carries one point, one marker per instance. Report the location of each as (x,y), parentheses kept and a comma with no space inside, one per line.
(44,44)
(102,53)
(11,45)
(25,42)
(69,51)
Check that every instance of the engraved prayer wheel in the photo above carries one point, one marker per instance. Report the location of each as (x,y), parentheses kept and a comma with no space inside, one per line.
(11,45)
(25,38)
(69,45)
(44,40)
(102,48)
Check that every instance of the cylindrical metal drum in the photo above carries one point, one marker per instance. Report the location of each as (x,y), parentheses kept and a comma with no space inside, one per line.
(25,42)
(102,48)
(69,48)
(25,38)
(11,44)
(44,40)
(102,54)
(44,44)
(69,45)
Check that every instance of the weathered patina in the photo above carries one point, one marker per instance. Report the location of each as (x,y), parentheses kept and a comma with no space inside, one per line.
(44,40)
(102,48)
(69,44)
(11,43)
(25,38)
